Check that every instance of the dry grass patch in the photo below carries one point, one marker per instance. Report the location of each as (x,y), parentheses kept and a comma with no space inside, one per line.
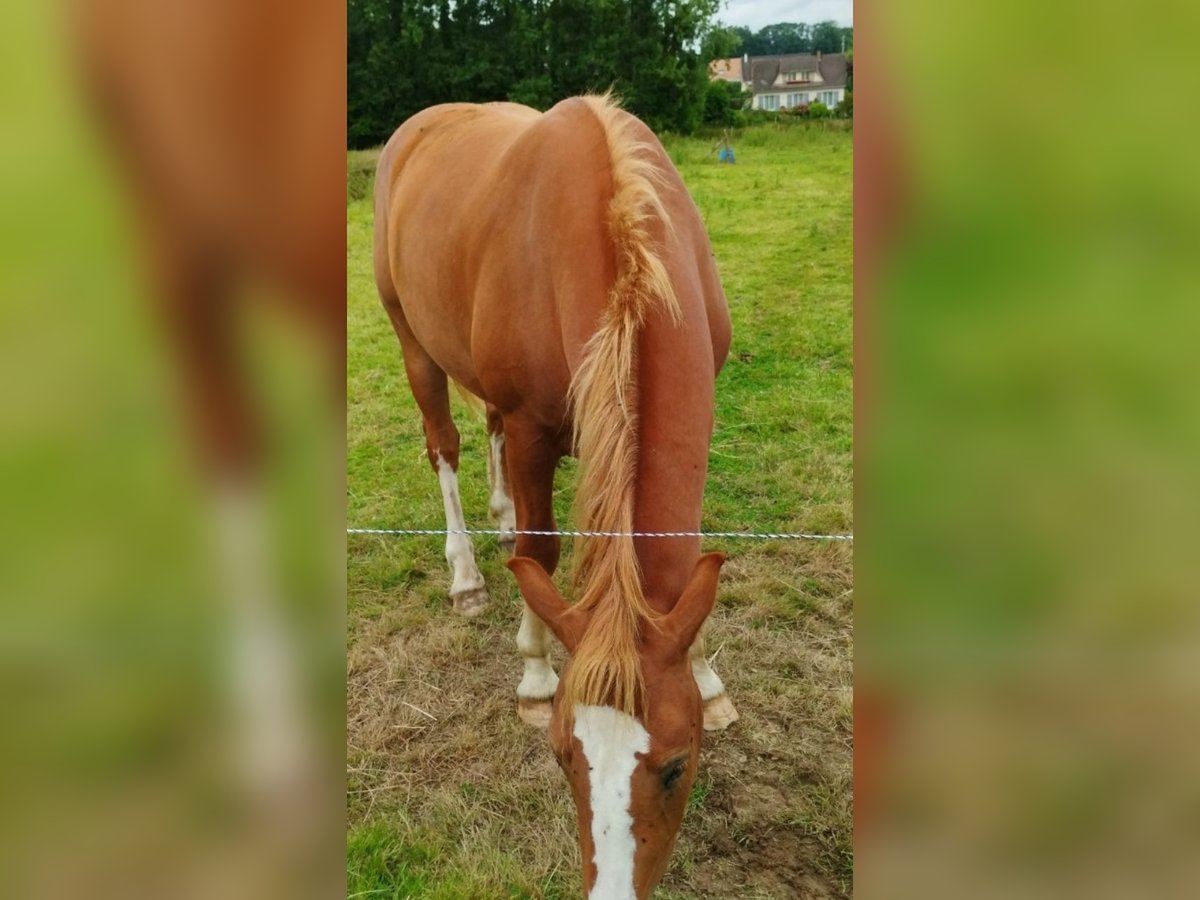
(436,749)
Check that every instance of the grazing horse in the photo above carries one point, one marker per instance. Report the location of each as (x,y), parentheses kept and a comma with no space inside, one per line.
(554,265)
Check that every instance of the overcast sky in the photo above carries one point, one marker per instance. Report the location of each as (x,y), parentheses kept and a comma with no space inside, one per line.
(755,14)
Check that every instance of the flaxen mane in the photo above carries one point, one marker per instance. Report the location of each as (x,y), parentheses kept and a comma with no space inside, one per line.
(604,405)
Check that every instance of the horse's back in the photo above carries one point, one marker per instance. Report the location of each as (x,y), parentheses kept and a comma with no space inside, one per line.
(475,206)
(550,265)
(442,152)
(493,235)
(428,182)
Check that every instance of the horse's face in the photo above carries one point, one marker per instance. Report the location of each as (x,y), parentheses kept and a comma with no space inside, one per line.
(630,775)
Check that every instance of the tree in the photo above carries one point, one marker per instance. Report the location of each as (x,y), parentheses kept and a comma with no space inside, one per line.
(789,37)
(721,42)
(745,38)
(722,102)
(785,37)
(827,38)
(405,55)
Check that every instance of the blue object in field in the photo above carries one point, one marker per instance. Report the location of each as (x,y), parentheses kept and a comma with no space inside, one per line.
(726,155)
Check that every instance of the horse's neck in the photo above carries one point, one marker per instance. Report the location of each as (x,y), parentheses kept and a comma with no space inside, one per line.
(675,425)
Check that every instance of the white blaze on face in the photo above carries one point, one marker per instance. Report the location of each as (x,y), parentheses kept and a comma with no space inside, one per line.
(611,741)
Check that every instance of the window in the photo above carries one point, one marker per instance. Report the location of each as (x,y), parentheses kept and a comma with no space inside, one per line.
(797,75)
(769,101)
(829,98)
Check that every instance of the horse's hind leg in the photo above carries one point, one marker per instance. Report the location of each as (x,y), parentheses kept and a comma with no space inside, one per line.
(501,504)
(719,712)
(429,388)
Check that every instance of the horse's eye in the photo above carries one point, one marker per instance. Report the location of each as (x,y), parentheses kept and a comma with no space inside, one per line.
(673,773)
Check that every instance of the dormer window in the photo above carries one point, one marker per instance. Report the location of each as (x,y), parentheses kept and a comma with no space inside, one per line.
(798,75)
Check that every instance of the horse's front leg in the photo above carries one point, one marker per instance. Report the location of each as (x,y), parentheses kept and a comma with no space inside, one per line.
(719,711)
(531,456)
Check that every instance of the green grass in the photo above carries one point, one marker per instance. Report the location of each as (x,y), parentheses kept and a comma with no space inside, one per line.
(470,803)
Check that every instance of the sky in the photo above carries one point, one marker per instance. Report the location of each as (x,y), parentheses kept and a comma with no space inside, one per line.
(755,14)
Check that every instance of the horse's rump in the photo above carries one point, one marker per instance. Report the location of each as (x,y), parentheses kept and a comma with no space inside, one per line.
(496,241)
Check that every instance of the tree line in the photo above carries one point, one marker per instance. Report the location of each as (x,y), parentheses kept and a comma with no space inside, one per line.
(792,37)
(405,55)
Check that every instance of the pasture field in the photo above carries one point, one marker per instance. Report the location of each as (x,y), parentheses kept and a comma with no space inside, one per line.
(450,796)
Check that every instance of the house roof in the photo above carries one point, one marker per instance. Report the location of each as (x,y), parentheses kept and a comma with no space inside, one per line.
(727,69)
(765,69)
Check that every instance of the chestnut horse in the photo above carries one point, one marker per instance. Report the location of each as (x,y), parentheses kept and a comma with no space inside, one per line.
(554,265)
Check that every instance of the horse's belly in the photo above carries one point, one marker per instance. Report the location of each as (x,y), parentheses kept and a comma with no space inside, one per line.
(434,326)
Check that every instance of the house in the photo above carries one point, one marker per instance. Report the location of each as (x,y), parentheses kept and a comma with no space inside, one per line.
(726,69)
(786,82)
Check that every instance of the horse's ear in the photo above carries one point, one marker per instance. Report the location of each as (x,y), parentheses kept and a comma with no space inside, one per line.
(544,599)
(695,603)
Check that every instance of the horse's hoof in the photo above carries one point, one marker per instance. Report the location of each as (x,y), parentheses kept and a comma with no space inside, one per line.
(470,602)
(534,712)
(719,713)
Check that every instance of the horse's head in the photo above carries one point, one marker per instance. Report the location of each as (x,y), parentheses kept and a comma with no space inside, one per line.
(630,774)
